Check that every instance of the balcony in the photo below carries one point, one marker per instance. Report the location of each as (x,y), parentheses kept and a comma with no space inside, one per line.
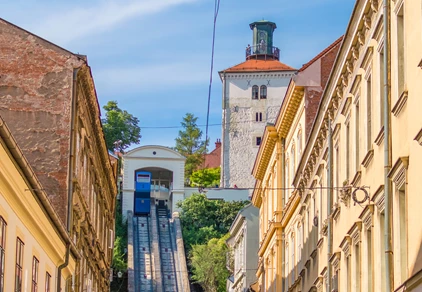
(261,51)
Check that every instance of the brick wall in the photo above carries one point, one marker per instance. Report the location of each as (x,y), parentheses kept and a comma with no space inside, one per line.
(35,101)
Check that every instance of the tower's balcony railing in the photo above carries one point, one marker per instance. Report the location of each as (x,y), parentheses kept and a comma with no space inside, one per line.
(262,50)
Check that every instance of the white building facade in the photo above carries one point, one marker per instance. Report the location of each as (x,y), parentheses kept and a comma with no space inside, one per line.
(243,241)
(252,95)
(167,169)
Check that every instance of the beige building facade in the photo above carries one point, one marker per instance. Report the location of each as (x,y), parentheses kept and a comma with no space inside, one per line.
(351,221)
(275,165)
(32,239)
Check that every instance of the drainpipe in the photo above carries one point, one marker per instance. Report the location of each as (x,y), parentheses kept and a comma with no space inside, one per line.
(283,170)
(223,135)
(329,204)
(283,196)
(70,178)
(389,281)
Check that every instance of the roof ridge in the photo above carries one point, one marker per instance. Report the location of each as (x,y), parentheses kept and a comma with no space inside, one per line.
(281,66)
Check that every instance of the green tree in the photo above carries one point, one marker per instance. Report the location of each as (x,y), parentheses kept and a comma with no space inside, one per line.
(207,177)
(119,125)
(203,219)
(190,145)
(208,263)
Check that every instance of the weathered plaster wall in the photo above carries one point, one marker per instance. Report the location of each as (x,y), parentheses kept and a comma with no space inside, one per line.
(35,101)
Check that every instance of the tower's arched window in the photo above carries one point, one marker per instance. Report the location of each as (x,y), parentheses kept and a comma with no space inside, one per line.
(255,92)
(263,93)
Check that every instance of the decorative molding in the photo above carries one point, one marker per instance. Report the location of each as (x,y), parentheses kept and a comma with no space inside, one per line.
(355,232)
(345,193)
(346,106)
(336,211)
(356,85)
(366,216)
(345,245)
(374,5)
(368,158)
(367,58)
(418,137)
(401,102)
(324,228)
(320,242)
(335,261)
(380,137)
(356,178)
(398,172)
(314,253)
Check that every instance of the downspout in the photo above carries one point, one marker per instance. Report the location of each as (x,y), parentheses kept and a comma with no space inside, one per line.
(70,179)
(222,170)
(283,196)
(389,281)
(329,204)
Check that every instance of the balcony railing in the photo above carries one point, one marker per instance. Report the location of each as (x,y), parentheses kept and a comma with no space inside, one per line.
(262,49)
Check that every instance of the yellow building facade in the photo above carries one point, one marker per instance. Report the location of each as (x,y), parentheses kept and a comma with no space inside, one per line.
(277,160)
(350,220)
(32,239)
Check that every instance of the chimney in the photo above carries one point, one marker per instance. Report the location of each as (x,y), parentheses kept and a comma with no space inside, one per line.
(218,144)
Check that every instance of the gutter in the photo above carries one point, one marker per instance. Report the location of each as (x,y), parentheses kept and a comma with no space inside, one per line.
(389,276)
(70,178)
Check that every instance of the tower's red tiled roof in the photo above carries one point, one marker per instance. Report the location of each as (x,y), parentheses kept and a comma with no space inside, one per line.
(254,65)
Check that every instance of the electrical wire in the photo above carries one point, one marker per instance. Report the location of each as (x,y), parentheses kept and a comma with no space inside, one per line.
(218,124)
(216,9)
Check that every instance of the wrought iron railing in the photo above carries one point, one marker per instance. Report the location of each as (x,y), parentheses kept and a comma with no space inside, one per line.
(262,49)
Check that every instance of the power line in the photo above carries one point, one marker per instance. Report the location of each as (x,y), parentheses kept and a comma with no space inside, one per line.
(218,124)
(216,9)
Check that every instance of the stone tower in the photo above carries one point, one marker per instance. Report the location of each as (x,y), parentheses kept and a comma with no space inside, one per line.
(252,94)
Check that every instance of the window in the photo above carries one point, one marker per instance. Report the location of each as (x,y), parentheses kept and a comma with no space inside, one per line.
(47,282)
(381,61)
(255,89)
(369,248)
(287,178)
(2,251)
(400,51)
(402,267)
(299,144)
(19,264)
(293,157)
(258,117)
(358,273)
(258,141)
(369,113)
(357,136)
(35,264)
(293,264)
(286,276)
(337,171)
(347,150)
(349,273)
(263,92)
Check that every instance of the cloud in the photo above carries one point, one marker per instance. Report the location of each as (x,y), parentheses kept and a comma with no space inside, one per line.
(77,23)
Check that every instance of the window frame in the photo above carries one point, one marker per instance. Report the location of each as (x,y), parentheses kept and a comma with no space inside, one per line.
(47,282)
(263,92)
(35,267)
(255,92)
(3,226)
(19,264)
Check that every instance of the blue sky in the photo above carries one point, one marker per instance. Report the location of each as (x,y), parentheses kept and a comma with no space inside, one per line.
(153,56)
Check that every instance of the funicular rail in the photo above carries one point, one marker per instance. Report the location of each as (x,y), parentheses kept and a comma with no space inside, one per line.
(142,254)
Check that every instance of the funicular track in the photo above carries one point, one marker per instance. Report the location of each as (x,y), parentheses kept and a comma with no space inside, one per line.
(142,254)
(166,251)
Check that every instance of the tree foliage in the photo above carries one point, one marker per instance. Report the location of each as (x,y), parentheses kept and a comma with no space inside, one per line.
(208,263)
(207,177)
(119,125)
(190,145)
(204,219)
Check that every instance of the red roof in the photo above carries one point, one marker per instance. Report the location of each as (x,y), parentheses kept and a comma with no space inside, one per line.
(254,65)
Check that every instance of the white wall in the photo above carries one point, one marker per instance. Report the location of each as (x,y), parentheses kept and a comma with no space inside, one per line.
(241,129)
(144,157)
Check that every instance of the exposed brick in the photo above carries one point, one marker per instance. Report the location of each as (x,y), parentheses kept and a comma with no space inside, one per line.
(35,94)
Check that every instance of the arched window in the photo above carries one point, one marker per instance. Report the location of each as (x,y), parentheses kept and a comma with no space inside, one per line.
(255,89)
(263,93)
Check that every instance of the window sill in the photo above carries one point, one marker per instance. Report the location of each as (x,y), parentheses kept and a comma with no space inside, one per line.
(356,178)
(401,102)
